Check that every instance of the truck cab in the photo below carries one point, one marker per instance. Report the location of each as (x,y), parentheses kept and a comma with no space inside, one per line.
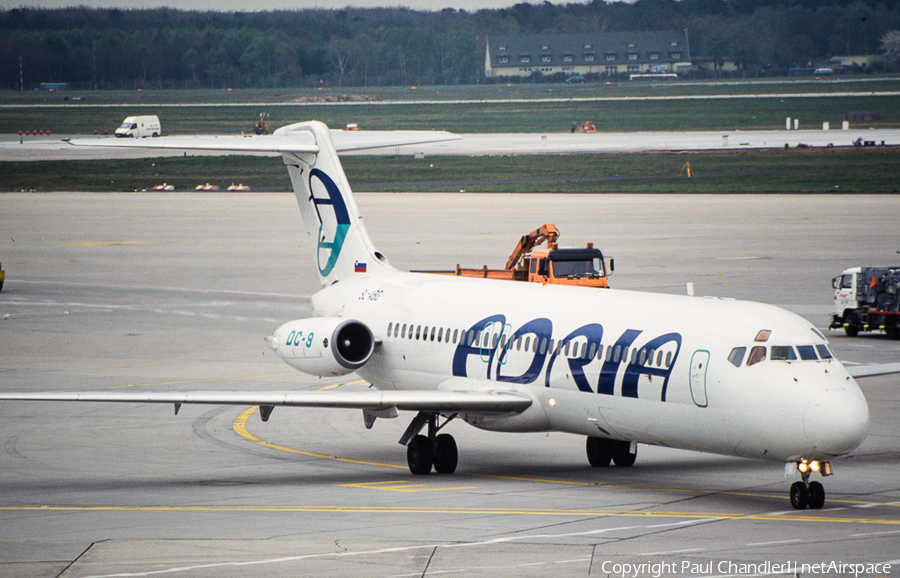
(568,266)
(845,286)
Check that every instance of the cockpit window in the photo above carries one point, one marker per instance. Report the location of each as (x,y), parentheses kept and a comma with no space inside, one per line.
(757,354)
(736,357)
(783,353)
(824,352)
(807,352)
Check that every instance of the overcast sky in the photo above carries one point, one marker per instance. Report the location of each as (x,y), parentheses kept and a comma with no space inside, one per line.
(256,5)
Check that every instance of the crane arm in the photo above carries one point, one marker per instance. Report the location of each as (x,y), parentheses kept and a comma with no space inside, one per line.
(547,233)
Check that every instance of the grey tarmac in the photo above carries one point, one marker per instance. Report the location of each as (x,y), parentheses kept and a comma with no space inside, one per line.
(178,291)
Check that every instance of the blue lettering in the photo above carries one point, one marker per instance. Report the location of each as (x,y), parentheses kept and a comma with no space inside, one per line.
(540,328)
(606,384)
(486,339)
(467,348)
(594,334)
(636,368)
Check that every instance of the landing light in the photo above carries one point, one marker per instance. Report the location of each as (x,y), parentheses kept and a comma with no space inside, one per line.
(551,401)
(813,466)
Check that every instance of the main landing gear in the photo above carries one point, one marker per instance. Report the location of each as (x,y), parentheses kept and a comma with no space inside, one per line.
(806,494)
(600,451)
(426,451)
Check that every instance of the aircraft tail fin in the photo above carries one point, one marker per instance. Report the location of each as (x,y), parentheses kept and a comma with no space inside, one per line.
(341,245)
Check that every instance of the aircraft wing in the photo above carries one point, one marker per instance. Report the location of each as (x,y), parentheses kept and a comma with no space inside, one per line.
(496,401)
(283,141)
(858,371)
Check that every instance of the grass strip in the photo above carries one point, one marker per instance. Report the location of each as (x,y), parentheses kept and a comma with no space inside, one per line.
(833,170)
(716,114)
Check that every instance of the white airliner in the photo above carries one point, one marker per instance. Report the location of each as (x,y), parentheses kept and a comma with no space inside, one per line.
(619,367)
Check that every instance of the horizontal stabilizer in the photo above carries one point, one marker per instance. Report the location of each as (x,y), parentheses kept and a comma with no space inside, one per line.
(858,371)
(230,143)
(289,139)
(498,401)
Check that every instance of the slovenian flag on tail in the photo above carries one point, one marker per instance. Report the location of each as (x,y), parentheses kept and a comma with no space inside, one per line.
(359,267)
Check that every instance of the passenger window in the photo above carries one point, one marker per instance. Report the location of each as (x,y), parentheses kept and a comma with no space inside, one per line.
(432,334)
(668,360)
(824,352)
(390,327)
(736,357)
(419,331)
(455,333)
(403,333)
(616,353)
(757,354)
(566,350)
(592,351)
(543,345)
(783,353)
(807,352)
(440,334)
(659,359)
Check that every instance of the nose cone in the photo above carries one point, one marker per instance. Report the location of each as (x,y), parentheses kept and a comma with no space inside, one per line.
(836,421)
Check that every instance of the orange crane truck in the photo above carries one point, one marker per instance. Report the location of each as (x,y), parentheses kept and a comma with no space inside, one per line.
(551,264)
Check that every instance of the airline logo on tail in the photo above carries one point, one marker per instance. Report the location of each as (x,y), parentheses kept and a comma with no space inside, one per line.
(332,231)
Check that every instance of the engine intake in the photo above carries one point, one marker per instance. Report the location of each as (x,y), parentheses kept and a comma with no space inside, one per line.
(324,346)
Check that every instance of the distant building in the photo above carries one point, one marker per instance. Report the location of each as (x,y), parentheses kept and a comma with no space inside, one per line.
(609,53)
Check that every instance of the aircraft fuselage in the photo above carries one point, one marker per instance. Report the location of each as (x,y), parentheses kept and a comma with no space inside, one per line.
(648,368)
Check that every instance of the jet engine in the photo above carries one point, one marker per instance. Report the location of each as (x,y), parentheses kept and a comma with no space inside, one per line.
(324,346)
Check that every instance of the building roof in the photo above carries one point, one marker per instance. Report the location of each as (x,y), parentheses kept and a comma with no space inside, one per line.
(602,48)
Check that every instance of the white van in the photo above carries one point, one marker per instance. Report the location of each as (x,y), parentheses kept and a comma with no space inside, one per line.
(139,127)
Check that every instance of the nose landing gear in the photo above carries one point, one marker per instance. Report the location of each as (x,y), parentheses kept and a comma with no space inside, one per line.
(805,494)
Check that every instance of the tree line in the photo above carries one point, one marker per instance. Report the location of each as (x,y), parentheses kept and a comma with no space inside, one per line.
(168,48)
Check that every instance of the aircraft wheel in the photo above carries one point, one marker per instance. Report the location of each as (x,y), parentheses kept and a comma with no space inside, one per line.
(446,454)
(599,452)
(621,454)
(419,455)
(800,496)
(816,495)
